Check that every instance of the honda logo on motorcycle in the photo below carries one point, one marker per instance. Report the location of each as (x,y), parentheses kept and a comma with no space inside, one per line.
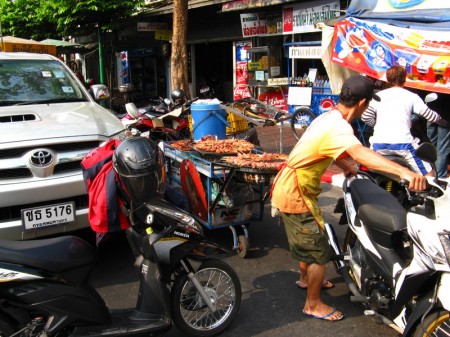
(41,158)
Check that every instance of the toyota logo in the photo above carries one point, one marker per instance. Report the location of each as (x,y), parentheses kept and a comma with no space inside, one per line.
(41,158)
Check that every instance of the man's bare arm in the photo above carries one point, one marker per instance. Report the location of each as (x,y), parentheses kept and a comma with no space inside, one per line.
(375,161)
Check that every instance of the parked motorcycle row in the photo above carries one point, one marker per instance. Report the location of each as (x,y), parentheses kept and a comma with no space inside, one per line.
(168,119)
(162,119)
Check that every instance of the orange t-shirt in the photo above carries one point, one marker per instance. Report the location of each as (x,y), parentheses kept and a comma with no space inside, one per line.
(297,185)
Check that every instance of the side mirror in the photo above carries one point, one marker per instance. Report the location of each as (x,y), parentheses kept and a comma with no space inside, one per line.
(167,101)
(132,110)
(100,92)
(431,97)
(427,152)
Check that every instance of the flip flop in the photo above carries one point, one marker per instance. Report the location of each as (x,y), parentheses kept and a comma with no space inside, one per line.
(325,285)
(324,317)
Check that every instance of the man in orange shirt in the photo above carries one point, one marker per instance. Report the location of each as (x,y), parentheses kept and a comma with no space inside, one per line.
(329,138)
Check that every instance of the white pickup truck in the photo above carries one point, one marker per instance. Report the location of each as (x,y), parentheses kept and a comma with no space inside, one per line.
(48,122)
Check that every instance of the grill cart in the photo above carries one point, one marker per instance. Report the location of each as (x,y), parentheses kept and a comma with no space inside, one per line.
(219,189)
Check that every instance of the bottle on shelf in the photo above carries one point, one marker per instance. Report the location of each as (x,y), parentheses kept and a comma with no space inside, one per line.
(327,88)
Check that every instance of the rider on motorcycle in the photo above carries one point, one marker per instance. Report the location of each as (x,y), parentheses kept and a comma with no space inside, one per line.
(391,119)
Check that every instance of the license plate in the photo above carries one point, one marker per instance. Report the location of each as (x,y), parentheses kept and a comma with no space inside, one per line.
(48,216)
(203,90)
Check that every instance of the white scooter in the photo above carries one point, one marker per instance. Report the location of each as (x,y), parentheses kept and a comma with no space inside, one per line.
(396,261)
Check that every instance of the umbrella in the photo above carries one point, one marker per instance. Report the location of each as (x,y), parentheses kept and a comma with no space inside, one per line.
(65,47)
(12,39)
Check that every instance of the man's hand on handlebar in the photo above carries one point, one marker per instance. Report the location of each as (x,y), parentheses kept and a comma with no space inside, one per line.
(416,182)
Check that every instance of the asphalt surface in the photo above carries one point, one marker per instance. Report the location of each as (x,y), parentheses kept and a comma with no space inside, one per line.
(271,303)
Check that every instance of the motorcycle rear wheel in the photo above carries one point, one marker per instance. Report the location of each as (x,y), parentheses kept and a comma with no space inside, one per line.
(435,324)
(191,314)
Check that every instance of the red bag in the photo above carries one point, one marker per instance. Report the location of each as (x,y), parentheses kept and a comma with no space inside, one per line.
(105,204)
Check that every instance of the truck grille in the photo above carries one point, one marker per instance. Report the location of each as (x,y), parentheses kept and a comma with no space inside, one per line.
(69,154)
(57,148)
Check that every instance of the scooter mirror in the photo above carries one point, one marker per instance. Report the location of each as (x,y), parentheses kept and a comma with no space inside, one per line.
(431,97)
(427,152)
(167,101)
(132,110)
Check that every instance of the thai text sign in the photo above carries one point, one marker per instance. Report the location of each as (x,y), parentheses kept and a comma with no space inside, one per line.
(163,34)
(151,26)
(298,18)
(28,48)
(371,48)
(253,24)
(305,52)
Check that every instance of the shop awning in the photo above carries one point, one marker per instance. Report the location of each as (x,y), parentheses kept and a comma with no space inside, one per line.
(17,44)
(65,47)
(370,39)
(413,14)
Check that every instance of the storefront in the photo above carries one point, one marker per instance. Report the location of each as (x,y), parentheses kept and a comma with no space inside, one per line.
(282,50)
(238,49)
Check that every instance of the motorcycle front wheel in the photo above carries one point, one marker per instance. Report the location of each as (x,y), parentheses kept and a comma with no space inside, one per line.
(191,314)
(435,324)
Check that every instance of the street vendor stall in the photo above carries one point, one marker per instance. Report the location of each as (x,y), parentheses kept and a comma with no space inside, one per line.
(224,183)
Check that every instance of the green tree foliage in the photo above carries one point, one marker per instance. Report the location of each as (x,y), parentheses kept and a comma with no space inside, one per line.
(23,18)
(40,19)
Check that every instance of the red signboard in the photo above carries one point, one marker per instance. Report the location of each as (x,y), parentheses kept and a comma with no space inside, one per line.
(371,48)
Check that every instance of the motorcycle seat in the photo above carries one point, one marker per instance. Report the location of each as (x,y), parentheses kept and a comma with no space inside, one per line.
(56,255)
(379,210)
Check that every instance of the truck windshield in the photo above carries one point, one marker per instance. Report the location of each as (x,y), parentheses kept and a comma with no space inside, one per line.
(23,81)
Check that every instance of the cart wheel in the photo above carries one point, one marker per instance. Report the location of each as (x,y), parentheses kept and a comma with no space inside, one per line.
(243,246)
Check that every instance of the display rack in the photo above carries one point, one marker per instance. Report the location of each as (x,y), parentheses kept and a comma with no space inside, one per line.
(261,65)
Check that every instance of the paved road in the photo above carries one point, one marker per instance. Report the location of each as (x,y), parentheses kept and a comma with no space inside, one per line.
(271,303)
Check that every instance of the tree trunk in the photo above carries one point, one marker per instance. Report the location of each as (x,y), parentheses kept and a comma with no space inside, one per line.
(179,57)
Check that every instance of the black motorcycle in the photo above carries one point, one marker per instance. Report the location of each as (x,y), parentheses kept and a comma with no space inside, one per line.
(44,288)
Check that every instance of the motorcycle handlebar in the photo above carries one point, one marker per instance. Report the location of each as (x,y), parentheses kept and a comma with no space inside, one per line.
(403,182)
(430,189)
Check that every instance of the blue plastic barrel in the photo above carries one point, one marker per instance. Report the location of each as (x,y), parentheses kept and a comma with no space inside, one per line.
(208,119)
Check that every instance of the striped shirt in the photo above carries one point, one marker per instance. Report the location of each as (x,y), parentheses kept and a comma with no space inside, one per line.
(391,117)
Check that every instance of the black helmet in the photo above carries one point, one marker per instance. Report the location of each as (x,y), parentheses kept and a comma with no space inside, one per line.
(140,167)
(178,94)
